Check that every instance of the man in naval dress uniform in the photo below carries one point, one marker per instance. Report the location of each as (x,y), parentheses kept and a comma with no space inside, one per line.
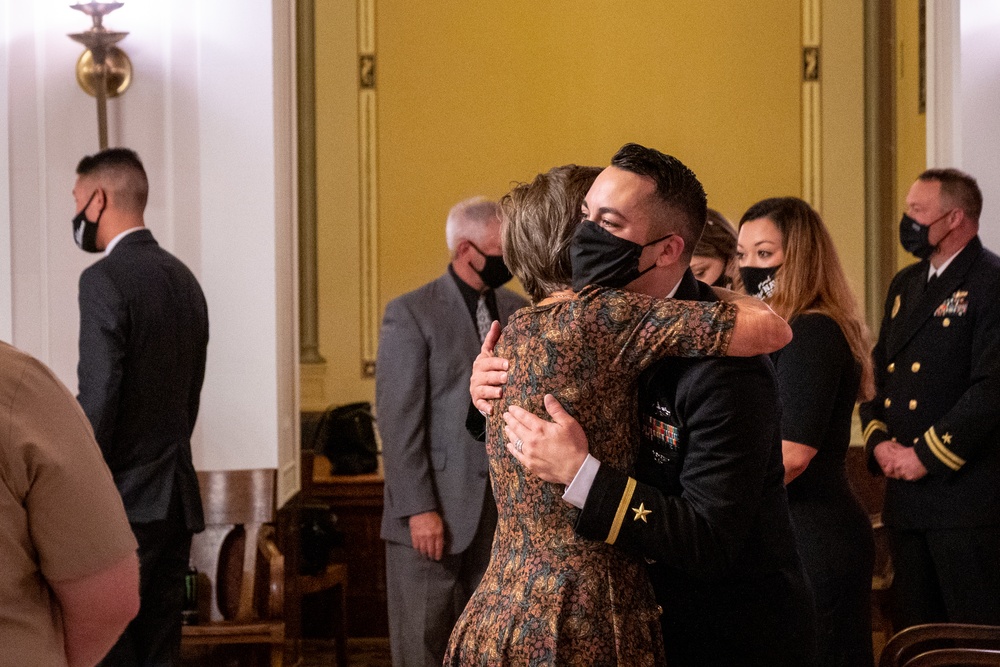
(933,427)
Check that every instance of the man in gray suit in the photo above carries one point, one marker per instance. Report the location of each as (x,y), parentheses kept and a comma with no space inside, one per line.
(439,512)
(143,339)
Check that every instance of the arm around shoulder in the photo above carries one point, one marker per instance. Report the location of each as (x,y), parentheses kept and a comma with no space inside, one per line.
(758,329)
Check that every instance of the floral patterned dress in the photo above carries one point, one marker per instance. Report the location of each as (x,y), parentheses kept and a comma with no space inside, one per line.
(549,597)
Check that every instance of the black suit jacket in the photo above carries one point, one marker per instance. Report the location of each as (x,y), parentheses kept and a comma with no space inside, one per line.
(937,381)
(143,338)
(708,511)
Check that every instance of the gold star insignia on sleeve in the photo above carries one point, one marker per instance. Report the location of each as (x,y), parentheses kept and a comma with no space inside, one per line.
(641,512)
(946,438)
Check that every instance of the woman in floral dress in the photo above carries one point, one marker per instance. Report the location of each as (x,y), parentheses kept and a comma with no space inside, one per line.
(549,597)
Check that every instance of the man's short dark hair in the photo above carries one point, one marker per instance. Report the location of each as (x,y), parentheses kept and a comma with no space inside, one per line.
(962,189)
(121,171)
(676,186)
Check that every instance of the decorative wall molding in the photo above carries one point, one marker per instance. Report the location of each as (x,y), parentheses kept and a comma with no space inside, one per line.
(289,481)
(368,173)
(286,238)
(812,127)
(880,160)
(305,67)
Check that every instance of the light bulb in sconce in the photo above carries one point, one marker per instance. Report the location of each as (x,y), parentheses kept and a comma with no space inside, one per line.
(103,70)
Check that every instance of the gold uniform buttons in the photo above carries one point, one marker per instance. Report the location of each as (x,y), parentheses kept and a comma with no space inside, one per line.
(913,405)
(946,322)
(892,367)
(888,402)
(915,367)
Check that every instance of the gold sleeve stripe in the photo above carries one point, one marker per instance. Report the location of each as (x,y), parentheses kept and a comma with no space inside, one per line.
(945,455)
(622,509)
(873,426)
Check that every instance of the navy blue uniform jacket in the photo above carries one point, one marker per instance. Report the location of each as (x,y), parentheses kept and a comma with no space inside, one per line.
(937,389)
(707,509)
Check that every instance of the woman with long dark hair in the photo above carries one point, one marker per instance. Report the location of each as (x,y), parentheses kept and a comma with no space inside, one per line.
(788,259)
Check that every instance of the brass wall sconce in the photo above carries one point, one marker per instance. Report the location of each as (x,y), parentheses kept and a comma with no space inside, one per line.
(103,70)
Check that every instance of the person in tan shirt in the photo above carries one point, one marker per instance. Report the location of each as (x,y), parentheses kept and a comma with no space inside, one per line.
(69,584)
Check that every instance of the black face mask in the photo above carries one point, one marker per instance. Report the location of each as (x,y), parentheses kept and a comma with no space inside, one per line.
(600,258)
(759,281)
(915,238)
(494,272)
(85,231)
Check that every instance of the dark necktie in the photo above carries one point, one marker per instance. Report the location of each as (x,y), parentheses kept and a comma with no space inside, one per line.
(930,281)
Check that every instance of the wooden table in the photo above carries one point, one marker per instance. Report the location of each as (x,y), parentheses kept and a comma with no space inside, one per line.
(357,502)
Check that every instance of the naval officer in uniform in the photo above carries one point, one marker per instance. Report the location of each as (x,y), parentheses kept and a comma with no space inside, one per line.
(933,427)
(706,504)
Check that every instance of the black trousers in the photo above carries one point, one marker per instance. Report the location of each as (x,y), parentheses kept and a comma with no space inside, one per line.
(946,575)
(153,638)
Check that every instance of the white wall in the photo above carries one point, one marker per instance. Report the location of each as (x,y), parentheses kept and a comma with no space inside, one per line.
(5,230)
(980,95)
(201,113)
(963,97)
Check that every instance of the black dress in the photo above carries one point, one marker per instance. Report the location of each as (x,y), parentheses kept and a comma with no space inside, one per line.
(818,380)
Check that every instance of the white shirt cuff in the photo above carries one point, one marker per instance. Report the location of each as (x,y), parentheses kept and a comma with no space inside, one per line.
(578,490)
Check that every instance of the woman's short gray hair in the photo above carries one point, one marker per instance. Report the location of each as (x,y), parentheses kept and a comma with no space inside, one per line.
(539,219)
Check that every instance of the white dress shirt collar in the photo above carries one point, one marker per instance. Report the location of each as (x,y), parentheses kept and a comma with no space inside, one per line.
(115,240)
(670,295)
(944,265)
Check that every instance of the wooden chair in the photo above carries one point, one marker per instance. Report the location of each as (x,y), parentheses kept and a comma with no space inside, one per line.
(241,571)
(955,657)
(936,643)
(332,579)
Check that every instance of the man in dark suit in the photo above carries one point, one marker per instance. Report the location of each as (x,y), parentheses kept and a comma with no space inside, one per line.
(706,506)
(933,427)
(439,514)
(143,338)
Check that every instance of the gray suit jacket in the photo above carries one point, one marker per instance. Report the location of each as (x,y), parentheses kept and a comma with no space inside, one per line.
(426,348)
(143,340)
